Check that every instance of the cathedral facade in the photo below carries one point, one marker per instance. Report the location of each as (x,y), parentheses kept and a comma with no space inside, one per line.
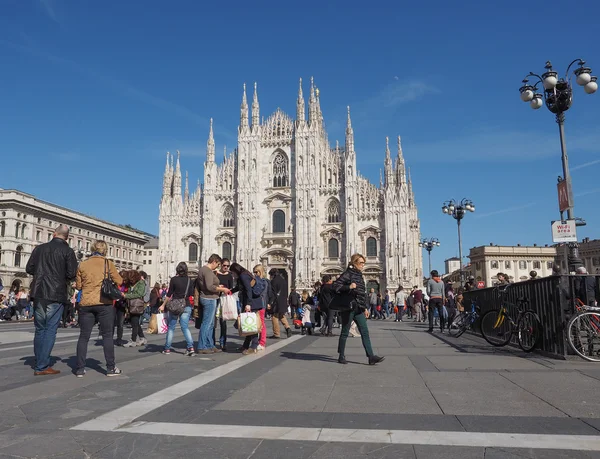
(287,199)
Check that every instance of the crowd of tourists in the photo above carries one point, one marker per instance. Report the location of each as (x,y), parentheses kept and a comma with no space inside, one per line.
(96,293)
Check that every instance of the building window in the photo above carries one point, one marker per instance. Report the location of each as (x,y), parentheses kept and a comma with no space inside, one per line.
(23,229)
(17,228)
(2,228)
(87,247)
(228,221)
(1,253)
(494,264)
(280,170)
(537,265)
(18,256)
(149,262)
(227,250)
(522,264)
(333,211)
(477,266)
(333,248)
(507,264)
(118,253)
(279,221)
(38,236)
(150,253)
(145,253)
(371,247)
(49,237)
(110,251)
(596,261)
(549,264)
(193,252)
(144,261)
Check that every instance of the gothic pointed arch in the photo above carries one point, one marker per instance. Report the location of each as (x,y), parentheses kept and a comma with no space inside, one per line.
(333,211)
(371,247)
(333,248)
(280,170)
(18,255)
(193,252)
(228,216)
(226,250)
(279,221)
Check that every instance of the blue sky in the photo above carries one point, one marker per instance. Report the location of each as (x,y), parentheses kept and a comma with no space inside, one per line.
(95,93)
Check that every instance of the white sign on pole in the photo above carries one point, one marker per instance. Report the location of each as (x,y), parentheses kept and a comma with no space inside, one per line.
(564,231)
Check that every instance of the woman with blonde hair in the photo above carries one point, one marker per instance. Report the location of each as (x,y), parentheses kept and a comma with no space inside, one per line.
(95,307)
(350,286)
(268,298)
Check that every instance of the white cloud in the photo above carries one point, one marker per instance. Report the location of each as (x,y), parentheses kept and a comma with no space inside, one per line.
(497,145)
(48,7)
(585,193)
(506,210)
(584,165)
(401,92)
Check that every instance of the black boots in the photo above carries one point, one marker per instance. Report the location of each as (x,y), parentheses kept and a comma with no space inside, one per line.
(374,359)
(342,360)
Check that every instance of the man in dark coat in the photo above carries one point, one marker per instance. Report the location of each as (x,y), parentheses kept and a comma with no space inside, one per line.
(279,307)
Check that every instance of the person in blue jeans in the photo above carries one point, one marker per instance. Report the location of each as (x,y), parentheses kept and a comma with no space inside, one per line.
(180,287)
(209,288)
(53,266)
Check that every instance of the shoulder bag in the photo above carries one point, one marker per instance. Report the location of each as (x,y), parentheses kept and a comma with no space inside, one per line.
(176,306)
(109,289)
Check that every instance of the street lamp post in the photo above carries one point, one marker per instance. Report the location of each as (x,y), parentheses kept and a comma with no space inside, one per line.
(558,96)
(457,210)
(429,244)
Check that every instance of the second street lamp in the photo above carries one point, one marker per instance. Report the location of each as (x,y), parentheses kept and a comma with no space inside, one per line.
(457,210)
(429,244)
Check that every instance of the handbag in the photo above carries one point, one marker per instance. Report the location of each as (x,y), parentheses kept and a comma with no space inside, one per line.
(249,324)
(176,306)
(109,289)
(342,302)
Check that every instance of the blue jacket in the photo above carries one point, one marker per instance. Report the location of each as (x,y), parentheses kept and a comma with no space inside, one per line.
(246,297)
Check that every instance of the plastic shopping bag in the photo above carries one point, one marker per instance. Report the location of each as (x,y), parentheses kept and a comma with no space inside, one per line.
(158,324)
(229,310)
(249,323)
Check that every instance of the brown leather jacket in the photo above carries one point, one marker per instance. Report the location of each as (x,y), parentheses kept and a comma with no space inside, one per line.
(90,275)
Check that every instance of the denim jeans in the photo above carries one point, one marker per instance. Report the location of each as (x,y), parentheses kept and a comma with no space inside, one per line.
(205,337)
(184,320)
(88,315)
(46,320)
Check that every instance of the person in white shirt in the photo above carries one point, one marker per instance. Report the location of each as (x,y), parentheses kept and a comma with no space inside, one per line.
(400,302)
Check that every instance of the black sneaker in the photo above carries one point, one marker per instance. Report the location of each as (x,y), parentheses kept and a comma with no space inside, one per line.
(342,360)
(80,373)
(288,331)
(113,372)
(374,359)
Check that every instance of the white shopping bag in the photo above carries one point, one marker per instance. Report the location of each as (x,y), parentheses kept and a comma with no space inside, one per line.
(161,323)
(229,310)
(249,323)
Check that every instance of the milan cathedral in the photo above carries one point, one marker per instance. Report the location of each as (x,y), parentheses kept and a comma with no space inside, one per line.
(287,199)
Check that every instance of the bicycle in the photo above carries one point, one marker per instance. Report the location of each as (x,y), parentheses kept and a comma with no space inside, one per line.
(497,325)
(464,321)
(583,331)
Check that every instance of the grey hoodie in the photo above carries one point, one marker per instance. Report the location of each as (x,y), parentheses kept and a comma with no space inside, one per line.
(435,289)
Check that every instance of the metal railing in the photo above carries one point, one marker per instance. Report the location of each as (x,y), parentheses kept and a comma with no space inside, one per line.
(552,298)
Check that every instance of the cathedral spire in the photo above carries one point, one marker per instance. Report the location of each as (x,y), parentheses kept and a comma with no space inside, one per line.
(167,177)
(255,108)
(244,110)
(210,144)
(400,167)
(177,178)
(411,196)
(187,188)
(389,174)
(312,104)
(349,135)
(224,153)
(300,115)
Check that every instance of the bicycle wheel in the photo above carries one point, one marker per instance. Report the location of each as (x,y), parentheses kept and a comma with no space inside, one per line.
(496,328)
(459,325)
(529,331)
(584,335)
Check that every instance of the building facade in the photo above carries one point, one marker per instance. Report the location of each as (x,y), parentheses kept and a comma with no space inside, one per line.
(287,199)
(150,260)
(26,222)
(452,264)
(589,252)
(515,261)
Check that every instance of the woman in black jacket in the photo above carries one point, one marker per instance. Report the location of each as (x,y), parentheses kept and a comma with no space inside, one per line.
(248,301)
(351,284)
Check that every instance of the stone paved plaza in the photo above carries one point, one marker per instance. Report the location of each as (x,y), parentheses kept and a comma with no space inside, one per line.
(433,397)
